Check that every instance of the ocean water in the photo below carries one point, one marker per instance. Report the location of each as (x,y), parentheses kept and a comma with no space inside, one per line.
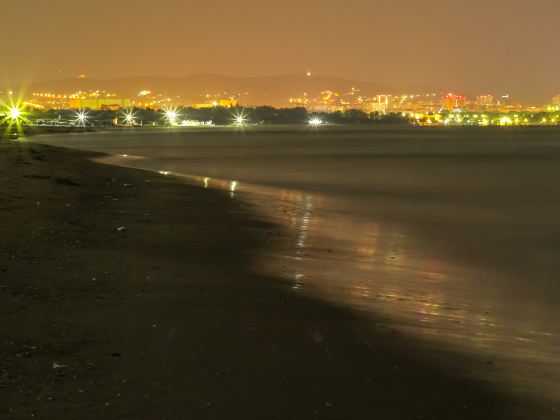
(452,235)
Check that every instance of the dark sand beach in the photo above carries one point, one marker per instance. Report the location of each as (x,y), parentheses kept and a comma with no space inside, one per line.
(129,294)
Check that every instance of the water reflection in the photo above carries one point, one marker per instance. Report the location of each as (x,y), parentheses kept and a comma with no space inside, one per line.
(377,267)
(302,222)
(296,285)
(232,188)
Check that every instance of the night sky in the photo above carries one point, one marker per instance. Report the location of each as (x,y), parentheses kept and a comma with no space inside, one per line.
(475,46)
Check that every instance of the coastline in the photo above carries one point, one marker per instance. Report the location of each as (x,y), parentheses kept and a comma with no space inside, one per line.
(148,309)
(323,251)
(31,131)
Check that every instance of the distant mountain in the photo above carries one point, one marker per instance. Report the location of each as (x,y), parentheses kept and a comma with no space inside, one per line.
(266,90)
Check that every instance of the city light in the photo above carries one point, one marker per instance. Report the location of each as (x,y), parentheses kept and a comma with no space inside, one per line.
(506,121)
(15,113)
(429,109)
(240,119)
(129,118)
(315,122)
(172,116)
(81,117)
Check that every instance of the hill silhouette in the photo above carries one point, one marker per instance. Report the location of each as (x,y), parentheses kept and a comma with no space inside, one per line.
(265,90)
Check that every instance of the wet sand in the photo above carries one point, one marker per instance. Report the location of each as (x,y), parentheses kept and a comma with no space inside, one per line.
(128,294)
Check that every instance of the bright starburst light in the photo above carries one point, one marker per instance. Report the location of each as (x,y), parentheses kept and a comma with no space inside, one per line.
(240,119)
(172,116)
(315,122)
(12,115)
(129,118)
(81,118)
(15,113)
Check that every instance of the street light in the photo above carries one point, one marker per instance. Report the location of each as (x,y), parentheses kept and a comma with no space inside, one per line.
(315,122)
(240,119)
(171,116)
(14,113)
(81,117)
(129,118)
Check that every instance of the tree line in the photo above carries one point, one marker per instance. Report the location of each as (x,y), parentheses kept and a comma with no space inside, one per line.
(220,116)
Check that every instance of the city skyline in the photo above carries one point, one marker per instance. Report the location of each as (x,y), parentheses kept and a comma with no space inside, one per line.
(314,92)
(478,48)
(379,88)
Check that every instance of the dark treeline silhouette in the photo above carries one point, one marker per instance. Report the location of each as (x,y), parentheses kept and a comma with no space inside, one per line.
(218,116)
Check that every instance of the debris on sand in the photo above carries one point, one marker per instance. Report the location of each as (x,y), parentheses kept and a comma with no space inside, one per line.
(56,365)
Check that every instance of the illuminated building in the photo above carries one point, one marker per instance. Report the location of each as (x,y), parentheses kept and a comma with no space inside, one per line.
(328,101)
(378,107)
(556,100)
(452,101)
(299,101)
(51,100)
(504,100)
(383,98)
(148,100)
(223,103)
(331,101)
(413,104)
(109,103)
(507,104)
(95,100)
(484,100)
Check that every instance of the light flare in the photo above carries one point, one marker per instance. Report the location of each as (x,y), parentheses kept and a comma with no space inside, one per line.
(240,119)
(172,116)
(315,122)
(129,118)
(13,115)
(81,118)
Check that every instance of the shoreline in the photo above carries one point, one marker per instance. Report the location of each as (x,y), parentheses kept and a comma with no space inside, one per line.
(326,269)
(164,319)
(314,268)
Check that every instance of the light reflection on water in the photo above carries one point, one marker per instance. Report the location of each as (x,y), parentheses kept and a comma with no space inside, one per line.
(232,188)
(377,268)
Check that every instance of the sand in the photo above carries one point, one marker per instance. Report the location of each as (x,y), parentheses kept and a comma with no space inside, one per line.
(129,294)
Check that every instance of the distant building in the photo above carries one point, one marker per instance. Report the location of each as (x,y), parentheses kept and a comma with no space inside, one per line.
(223,103)
(379,107)
(453,101)
(51,100)
(485,100)
(383,98)
(508,104)
(505,100)
(106,104)
(556,100)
